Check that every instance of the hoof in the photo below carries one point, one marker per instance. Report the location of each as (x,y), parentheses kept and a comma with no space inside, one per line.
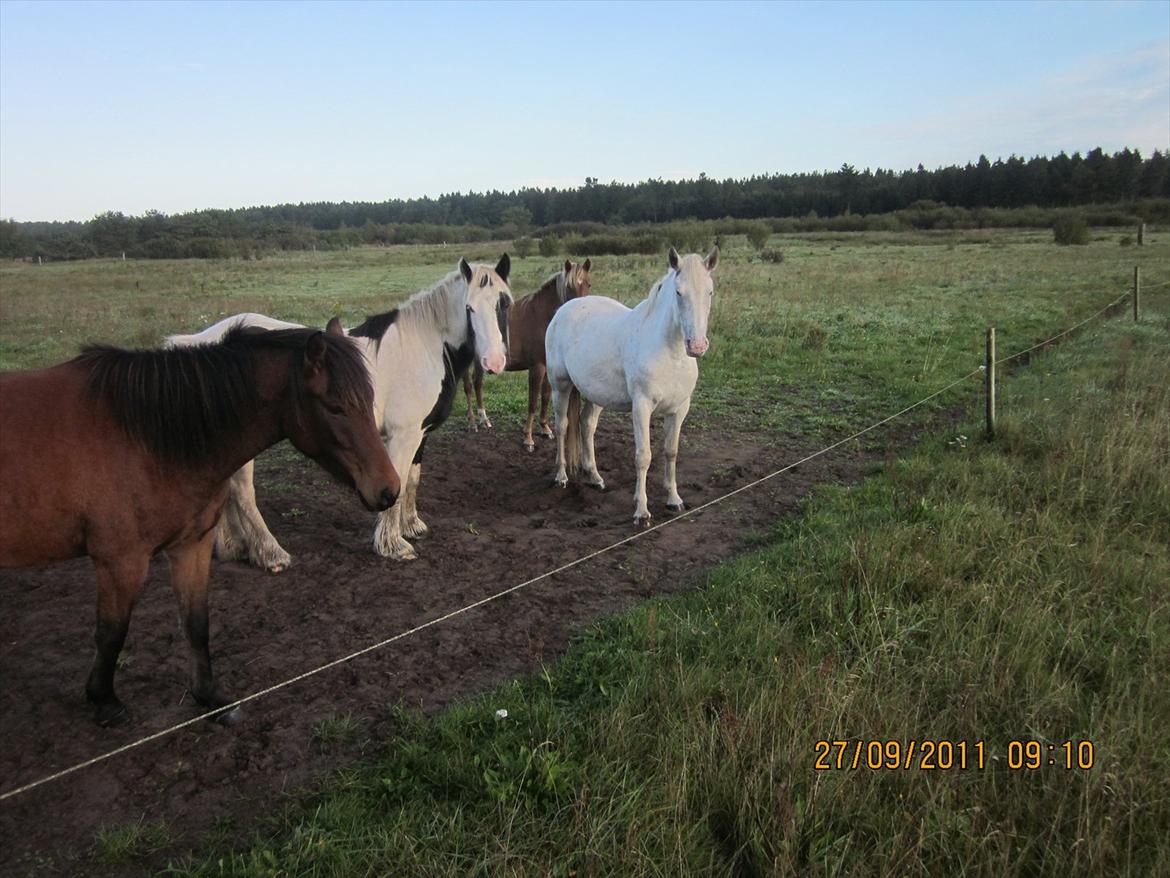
(111,714)
(560,482)
(486,424)
(416,530)
(529,446)
(228,718)
(599,484)
(546,432)
(473,427)
(676,507)
(641,522)
(272,558)
(399,551)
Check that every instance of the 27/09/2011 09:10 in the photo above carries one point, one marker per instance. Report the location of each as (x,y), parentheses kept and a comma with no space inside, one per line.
(944,754)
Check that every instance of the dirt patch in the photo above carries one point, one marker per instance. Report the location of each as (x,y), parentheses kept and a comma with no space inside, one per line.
(495,521)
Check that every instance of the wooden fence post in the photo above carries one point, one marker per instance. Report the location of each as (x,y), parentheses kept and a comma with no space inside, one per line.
(989,381)
(1137,291)
(1141,234)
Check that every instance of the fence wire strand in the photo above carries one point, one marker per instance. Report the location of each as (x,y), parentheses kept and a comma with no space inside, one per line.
(169,730)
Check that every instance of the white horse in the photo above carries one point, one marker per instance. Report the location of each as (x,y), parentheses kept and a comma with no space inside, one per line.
(416,354)
(602,354)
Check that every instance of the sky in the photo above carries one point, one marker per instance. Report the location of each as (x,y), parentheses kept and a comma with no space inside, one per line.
(182,106)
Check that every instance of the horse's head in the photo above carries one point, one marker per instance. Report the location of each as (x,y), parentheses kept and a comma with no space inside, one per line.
(577,281)
(488,301)
(334,423)
(690,283)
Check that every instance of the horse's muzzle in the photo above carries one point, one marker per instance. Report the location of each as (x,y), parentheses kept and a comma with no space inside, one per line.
(385,500)
(696,349)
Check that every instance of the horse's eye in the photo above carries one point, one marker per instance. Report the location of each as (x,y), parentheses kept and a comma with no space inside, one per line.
(334,409)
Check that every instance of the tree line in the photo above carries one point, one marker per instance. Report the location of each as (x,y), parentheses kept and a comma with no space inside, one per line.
(977,193)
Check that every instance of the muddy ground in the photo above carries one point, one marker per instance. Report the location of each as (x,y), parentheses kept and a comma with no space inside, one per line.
(495,521)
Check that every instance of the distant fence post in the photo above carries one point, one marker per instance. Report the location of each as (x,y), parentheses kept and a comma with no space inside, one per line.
(1137,291)
(989,381)
(1141,234)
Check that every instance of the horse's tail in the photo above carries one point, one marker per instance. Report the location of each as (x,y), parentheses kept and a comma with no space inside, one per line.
(573,433)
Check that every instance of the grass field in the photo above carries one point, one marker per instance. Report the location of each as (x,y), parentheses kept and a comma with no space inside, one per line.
(972,592)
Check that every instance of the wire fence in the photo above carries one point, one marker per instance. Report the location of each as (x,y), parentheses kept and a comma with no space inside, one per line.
(438,620)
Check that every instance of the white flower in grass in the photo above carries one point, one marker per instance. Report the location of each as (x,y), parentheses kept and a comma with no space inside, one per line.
(501,714)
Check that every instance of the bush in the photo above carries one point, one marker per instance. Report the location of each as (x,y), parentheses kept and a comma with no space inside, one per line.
(758,235)
(523,246)
(774,256)
(550,245)
(1070,228)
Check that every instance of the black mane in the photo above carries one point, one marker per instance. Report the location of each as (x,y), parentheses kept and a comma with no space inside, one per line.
(184,403)
(375,327)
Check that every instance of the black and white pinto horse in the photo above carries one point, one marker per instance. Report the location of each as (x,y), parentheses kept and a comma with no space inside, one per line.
(416,353)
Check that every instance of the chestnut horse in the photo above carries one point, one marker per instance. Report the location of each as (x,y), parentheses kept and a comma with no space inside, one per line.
(527,321)
(120,454)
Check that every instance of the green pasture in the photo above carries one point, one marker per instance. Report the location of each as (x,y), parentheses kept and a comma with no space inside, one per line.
(973,591)
(846,327)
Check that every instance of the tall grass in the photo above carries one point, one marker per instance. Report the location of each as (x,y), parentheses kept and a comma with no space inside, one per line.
(975,591)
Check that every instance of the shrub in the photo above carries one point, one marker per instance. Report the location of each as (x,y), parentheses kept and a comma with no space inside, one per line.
(523,246)
(758,235)
(1070,228)
(774,256)
(550,245)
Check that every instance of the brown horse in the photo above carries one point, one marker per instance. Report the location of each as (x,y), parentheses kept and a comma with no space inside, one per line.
(527,321)
(122,454)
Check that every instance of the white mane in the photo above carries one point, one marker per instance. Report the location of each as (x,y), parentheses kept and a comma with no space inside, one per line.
(431,309)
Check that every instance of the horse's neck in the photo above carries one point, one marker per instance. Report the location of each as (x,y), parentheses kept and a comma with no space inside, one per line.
(265,425)
(451,326)
(660,320)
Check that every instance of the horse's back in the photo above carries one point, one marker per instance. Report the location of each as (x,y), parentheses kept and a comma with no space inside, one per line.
(217,331)
(584,347)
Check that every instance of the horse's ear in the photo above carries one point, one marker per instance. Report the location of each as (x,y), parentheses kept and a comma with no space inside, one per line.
(503,267)
(587,265)
(465,270)
(672,259)
(315,353)
(713,258)
(333,327)
(568,267)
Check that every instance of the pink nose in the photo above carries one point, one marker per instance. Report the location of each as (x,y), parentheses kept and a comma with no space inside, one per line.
(697,348)
(493,363)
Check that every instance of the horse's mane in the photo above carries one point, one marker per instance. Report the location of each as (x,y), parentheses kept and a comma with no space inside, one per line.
(426,310)
(183,403)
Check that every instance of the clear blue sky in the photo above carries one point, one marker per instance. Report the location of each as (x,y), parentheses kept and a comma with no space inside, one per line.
(181,106)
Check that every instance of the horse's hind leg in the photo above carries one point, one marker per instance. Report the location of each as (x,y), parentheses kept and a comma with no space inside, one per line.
(190,572)
(242,534)
(535,377)
(561,418)
(589,415)
(673,427)
(545,393)
(119,584)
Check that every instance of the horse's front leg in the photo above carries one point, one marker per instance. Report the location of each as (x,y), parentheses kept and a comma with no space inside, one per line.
(388,539)
(414,527)
(242,534)
(120,583)
(484,421)
(673,427)
(471,424)
(190,573)
(640,415)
